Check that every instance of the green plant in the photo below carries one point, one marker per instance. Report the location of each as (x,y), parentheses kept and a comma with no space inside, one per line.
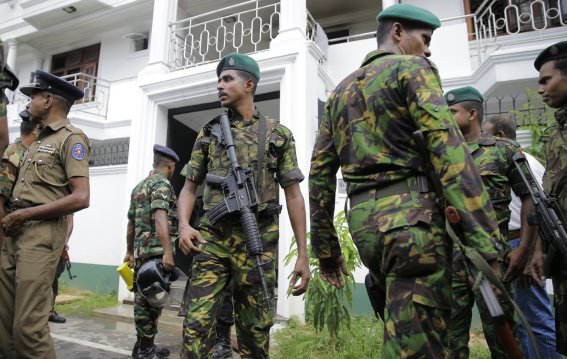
(364,340)
(325,305)
(539,118)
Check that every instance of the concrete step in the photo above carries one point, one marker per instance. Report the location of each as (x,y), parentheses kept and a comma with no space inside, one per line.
(125,312)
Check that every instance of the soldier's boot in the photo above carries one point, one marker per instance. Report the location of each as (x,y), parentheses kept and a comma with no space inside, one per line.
(222,348)
(161,352)
(147,349)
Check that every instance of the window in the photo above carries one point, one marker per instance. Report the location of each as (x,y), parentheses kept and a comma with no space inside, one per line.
(83,63)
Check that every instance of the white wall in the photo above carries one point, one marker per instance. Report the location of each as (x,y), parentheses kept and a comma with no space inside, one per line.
(96,235)
(339,65)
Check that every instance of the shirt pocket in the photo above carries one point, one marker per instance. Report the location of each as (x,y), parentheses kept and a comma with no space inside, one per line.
(43,168)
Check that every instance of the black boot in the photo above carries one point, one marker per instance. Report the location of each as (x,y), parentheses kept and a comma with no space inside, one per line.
(147,349)
(161,352)
(222,349)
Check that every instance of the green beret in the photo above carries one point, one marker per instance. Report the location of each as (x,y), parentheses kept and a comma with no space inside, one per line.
(554,52)
(410,13)
(462,94)
(237,61)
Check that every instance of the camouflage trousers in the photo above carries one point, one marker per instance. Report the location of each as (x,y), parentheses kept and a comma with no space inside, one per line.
(559,279)
(464,298)
(401,239)
(145,316)
(224,259)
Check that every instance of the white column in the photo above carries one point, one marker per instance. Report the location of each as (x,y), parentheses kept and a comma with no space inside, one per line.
(293,22)
(12,53)
(388,3)
(164,13)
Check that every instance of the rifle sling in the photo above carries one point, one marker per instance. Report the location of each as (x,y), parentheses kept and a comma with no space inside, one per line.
(261,151)
(485,271)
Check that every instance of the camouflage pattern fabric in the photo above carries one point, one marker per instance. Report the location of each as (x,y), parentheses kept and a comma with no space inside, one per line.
(154,192)
(145,316)
(10,163)
(367,132)
(209,156)
(493,158)
(224,258)
(555,172)
(3,103)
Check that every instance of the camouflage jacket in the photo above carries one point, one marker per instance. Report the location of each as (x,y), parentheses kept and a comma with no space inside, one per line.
(154,192)
(555,176)
(367,132)
(280,160)
(493,158)
(11,160)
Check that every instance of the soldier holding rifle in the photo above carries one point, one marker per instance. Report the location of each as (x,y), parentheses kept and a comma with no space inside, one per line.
(266,148)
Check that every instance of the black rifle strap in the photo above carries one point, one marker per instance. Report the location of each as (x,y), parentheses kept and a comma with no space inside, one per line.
(261,151)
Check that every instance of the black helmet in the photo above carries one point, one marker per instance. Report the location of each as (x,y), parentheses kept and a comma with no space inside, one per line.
(154,283)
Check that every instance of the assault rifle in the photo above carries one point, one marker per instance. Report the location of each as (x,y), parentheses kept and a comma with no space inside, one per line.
(241,197)
(548,216)
(474,263)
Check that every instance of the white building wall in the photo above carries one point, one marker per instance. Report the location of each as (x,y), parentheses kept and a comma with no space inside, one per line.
(95,238)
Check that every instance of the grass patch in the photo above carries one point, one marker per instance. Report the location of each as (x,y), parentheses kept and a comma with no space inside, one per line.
(84,306)
(364,340)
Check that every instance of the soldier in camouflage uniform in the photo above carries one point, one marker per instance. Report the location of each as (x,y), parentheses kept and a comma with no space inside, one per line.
(552,66)
(222,255)
(493,158)
(395,218)
(151,233)
(10,164)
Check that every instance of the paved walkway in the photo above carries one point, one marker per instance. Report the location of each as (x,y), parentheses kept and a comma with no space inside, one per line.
(104,338)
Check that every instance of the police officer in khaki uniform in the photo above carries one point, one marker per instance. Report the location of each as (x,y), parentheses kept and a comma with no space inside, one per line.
(53,182)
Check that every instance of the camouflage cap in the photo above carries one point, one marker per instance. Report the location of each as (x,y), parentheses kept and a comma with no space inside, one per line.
(44,81)
(241,62)
(410,13)
(166,151)
(467,93)
(24,115)
(553,52)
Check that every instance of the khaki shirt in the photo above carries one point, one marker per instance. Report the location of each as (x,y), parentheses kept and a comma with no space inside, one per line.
(60,152)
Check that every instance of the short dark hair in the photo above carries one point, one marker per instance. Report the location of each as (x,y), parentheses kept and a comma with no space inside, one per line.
(161,161)
(383,28)
(561,65)
(504,123)
(245,76)
(26,127)
(63,102)
(474,105)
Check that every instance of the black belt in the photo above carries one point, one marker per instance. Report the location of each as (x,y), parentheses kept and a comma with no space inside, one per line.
(411,184)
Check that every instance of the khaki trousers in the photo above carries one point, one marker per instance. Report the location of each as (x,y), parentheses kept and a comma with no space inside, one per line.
(27,268)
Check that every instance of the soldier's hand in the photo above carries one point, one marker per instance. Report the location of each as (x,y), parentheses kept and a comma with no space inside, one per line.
(331,272)
(301,269)
(187,238)
(129,257)
(533,274)
(13,222)
(517,261)
(167,261)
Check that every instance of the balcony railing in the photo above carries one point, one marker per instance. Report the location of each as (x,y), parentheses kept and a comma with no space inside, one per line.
(245,28)
(495,18)
(95,101)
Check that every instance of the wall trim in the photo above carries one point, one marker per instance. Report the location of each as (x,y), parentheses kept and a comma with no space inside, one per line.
(108,170)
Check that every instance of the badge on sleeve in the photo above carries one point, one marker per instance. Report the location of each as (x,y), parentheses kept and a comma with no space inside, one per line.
(79,151)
